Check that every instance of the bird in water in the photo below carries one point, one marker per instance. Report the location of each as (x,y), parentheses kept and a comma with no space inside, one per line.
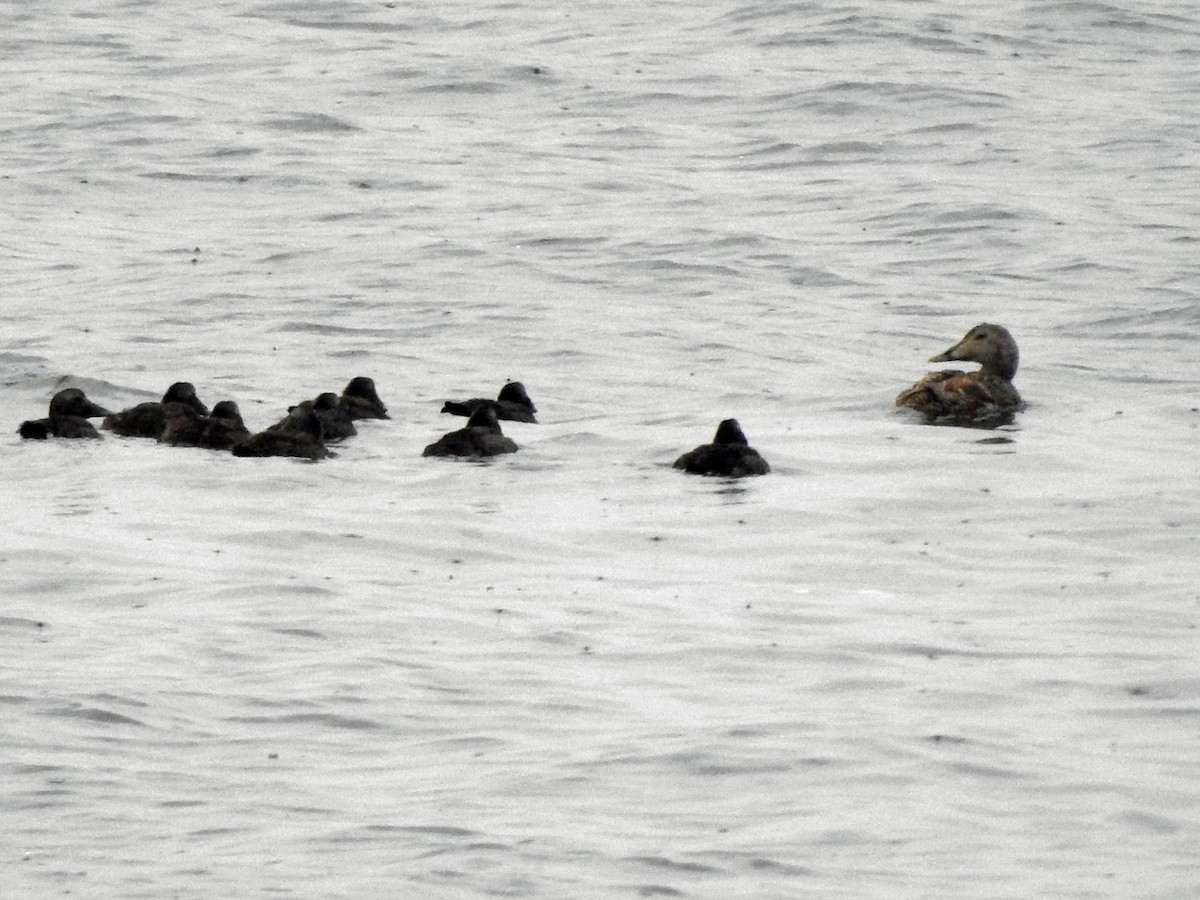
(148,419)
(330,409)
(512,403)
(305,440)
(984,398)
(220,430)
(729,455)
(481,437)
(361,401)
(68,417)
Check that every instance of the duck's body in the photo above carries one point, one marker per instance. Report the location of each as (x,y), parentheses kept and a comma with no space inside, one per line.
(336,423)
(68,417)
(361,401)
(512,403)
(304,440)
(729,455)
(982,399)
(481,437)
(221,430)
(148,419)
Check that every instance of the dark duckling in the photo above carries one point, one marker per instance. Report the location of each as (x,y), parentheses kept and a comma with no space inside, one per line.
(481,437)
(729,455)
(361,401)
(330,409)
(222,429)
(512,403)
(982,399)
(305,440)
(69,412)
(148,419)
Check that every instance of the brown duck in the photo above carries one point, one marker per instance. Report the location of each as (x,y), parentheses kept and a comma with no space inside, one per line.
(984,398)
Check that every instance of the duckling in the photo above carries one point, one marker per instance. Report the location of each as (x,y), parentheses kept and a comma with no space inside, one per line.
(148,419)
(481,437)
(361,401)
(729,455)
(984,398)
(512,403)
(69,412)
(330,409)
(305,440)
(220,430)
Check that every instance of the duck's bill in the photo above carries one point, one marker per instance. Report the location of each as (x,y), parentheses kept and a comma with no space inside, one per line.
(948,356)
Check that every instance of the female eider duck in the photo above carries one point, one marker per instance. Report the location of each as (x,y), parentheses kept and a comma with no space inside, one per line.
(512,403)
(148,419)
(482,437)
(305,440)
(982,399)
(729,455)
(220,430)
(361,401)
(69,412)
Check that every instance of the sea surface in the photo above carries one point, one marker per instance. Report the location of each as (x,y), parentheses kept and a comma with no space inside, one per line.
(911,662)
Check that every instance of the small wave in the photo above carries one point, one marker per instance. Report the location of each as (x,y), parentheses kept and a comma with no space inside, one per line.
(311,123)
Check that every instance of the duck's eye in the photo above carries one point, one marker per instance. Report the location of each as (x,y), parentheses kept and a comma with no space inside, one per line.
(979,337)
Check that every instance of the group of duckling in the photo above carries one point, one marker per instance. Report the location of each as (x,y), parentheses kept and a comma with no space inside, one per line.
(182,420)
(984,398)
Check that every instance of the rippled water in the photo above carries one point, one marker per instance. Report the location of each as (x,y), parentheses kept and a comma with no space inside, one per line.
(911,662)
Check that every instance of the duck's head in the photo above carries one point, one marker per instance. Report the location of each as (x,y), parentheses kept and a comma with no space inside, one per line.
(184,392)
(327,401)
(989,345)
(362,387)
(730,432)
(484,417)
(361,390)
(227,409)
(73,402)
(514,392)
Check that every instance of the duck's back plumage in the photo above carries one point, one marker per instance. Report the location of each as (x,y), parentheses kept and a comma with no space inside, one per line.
(331,409)
(512,404)
(729,455)
(304,441)
(220,430)
(149,419)
(480,438)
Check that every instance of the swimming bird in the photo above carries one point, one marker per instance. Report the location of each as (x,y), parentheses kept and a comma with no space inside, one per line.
(220,430)
(305,440)
(729,455)
(148,419)
(984,398)
(481,437)
(512,403)
(361,400)
(68,417)
(330,409)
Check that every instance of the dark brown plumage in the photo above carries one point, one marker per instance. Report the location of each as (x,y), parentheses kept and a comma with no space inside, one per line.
(220,430)
(148,419)
(729,455)
(331,409)
(512,403)
(361,401)
(68,417)
(304,441)
(481,437)
(984,398)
